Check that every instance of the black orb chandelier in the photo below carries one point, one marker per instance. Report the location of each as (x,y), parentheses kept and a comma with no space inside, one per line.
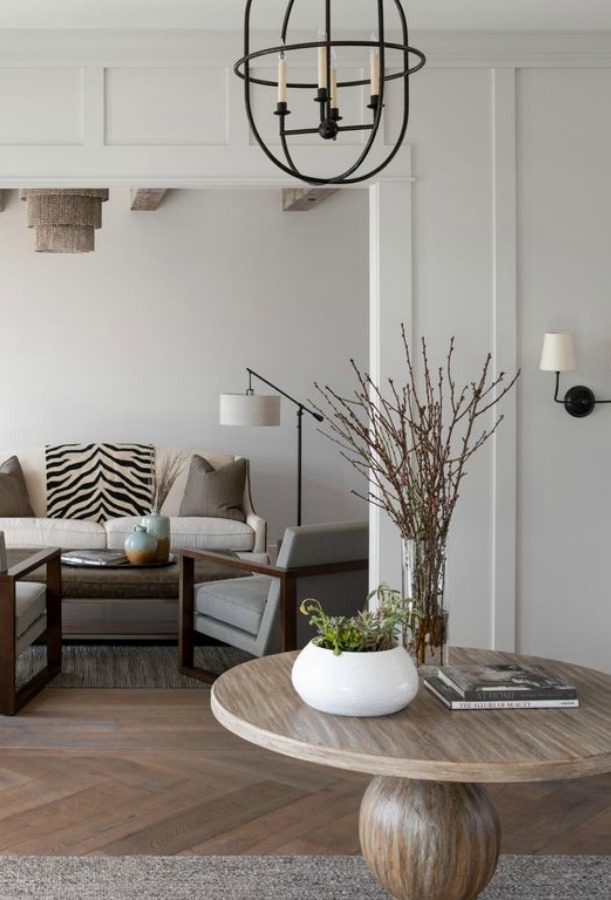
(327,90)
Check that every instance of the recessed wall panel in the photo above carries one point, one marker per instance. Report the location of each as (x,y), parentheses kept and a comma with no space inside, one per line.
(41,106)
(166,106)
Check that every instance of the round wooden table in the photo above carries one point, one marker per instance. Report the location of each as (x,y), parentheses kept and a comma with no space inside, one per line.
(428,828)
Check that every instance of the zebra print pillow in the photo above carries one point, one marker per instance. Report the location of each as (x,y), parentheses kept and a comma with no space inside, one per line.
(98,481)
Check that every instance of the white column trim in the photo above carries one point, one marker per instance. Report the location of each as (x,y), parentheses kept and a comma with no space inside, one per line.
(93,115)
(390,303)
(505,357)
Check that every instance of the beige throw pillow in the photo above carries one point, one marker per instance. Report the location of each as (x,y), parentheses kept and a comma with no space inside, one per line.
(14,500)
(215,493)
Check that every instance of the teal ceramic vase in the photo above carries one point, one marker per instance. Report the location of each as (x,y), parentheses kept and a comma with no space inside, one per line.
(159,526)
(140,547)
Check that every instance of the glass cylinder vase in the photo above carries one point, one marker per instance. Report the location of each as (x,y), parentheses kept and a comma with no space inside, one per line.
(423,584)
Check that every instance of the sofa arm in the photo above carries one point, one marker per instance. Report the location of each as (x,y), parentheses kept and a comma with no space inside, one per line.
(259,526)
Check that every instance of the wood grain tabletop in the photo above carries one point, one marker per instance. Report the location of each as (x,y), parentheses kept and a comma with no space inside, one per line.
(425,740)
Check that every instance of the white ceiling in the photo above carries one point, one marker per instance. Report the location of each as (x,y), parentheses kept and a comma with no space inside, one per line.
(487,15)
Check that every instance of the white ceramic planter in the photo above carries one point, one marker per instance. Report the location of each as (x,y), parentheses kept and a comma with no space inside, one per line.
(355,684)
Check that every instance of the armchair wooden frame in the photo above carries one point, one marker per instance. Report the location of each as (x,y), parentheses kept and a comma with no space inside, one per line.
(287,609)
(11,699)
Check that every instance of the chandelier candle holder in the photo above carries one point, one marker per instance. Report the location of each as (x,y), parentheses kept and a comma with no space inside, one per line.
(327,91)
(64,219)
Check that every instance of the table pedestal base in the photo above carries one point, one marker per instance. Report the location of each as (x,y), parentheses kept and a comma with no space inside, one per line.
(429,840)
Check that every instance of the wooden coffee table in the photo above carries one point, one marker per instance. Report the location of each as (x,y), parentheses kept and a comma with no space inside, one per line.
(125,601)
(428,828)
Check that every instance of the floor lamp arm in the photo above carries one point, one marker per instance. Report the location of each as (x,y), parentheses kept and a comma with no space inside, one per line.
(301,408)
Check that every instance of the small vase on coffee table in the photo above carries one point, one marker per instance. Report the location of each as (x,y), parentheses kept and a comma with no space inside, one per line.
(158,526)
(140,547)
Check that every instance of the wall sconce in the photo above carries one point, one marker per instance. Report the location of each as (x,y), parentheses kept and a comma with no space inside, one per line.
(557,356)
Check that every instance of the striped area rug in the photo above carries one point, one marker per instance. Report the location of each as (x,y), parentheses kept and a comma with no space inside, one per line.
(275,878)
(127,666)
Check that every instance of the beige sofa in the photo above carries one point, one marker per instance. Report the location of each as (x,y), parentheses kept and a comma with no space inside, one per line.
(194,532)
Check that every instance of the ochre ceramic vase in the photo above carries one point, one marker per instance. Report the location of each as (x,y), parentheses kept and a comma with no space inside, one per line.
(140,547)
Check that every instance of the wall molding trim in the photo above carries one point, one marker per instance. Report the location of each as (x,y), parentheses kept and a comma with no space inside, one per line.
(223,48)
(504,358)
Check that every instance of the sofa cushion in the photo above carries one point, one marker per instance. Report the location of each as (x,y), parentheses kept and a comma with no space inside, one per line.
(189,533)
(14,500)
(215,493)
(69,534)
(238,602)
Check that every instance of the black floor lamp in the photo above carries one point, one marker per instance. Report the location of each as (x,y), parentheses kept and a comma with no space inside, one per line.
(264,409)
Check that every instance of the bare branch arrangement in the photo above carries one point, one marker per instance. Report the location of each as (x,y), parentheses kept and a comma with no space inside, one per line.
(413,443)
(165,473)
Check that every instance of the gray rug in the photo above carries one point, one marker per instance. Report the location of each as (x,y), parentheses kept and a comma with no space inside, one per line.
(124,666)
(275,878)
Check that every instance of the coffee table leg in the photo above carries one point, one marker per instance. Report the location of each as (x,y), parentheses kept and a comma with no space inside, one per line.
(429,840)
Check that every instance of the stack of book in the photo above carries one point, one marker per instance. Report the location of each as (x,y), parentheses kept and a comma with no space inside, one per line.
(500,687)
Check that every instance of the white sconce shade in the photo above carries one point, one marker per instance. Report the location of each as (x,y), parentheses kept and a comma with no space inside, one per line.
(557,354)
(250,409)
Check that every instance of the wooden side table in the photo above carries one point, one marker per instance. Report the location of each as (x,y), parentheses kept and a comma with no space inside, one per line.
(428,828)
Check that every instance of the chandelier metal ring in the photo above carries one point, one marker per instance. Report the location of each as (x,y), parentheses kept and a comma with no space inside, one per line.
(312,45)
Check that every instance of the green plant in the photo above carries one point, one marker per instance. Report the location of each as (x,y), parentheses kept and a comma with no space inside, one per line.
(369,630)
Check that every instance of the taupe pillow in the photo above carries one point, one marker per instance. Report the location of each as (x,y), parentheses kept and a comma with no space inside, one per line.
(14,500)
(217,493)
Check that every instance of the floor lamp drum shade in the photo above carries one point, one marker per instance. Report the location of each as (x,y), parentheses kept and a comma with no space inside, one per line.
(250,409)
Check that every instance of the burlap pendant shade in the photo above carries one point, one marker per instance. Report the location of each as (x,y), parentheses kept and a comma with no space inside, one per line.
(64,219)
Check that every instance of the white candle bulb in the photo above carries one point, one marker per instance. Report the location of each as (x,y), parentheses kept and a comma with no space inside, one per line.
(374,69)
(334,104)
(322,62)
(281,79)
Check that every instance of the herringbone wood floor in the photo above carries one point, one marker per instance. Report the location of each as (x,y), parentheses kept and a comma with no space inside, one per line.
(150,772)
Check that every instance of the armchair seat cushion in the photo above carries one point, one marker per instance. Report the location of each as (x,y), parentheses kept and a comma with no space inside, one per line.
(189,533)
(237,602)
(30,604)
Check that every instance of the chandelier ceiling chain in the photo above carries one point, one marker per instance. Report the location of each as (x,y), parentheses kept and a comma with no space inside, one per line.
(327,90)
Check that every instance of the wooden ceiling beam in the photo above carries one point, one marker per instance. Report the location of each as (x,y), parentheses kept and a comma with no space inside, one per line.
(146,199)
(303,199)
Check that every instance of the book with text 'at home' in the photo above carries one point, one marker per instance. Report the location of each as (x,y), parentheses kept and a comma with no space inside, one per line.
(453,700)
(506,682)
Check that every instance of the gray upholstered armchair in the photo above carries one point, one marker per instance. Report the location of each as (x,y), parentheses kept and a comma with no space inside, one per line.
(29,611)
(258,614)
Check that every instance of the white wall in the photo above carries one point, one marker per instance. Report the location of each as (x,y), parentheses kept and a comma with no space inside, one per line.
(510,142)
(565,284)
(135,341)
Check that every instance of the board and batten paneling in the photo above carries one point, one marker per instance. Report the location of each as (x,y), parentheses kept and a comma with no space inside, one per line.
(166,106)
(41,106)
